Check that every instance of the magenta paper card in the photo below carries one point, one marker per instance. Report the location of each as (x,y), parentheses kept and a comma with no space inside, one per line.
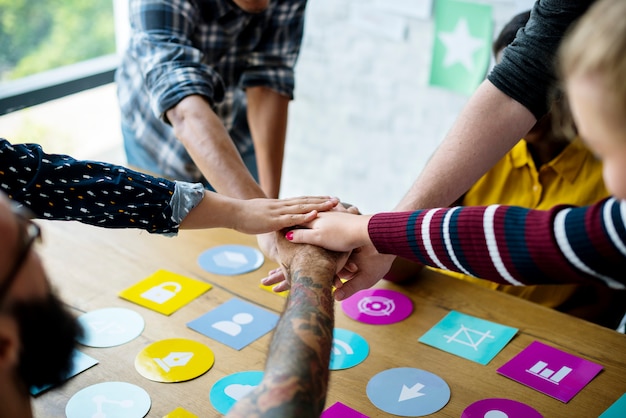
(551,371)
(499,408)
(378,306)
(339,410)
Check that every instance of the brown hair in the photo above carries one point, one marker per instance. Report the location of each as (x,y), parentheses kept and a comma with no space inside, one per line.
(596,47)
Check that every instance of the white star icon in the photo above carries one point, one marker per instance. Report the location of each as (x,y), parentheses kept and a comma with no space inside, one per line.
(460,46)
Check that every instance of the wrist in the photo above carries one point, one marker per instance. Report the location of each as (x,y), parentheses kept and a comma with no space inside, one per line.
(319,265)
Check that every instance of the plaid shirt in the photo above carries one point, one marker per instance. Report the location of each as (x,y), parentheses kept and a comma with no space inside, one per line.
(207,47)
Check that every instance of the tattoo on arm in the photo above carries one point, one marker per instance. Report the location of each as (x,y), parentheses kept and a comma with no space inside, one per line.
(296,376)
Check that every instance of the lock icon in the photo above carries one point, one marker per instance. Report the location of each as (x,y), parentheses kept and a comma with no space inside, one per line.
(163,292)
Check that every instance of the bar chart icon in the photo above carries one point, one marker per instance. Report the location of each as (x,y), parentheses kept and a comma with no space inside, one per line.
(540,369)
(551,371)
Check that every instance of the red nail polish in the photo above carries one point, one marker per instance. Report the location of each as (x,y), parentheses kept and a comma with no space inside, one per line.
(289,235)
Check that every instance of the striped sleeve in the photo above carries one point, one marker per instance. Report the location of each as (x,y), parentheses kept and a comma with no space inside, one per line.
(512,245)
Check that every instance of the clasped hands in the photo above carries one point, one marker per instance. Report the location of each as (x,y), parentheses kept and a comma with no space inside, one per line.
(339,235)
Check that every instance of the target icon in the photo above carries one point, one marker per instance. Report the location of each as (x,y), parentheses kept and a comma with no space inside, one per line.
(376,305)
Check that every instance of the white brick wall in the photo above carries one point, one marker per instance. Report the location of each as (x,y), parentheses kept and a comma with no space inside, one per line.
(365,121)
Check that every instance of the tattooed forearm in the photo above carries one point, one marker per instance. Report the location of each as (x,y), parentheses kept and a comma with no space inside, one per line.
(297,369)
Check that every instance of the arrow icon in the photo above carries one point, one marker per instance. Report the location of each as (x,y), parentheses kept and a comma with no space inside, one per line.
(410,393)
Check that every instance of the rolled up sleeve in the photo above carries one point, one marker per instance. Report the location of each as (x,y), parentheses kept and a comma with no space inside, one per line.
(272,62)
(527,70)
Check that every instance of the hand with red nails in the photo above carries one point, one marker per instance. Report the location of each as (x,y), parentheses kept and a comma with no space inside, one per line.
(276,277)
(340,231)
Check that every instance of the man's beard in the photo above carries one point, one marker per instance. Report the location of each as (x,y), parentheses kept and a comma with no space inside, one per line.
(48,334)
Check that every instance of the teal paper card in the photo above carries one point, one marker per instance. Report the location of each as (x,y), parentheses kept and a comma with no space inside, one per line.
(617,410)
(469,337)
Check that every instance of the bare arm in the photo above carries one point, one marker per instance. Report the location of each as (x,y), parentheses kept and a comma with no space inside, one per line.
(296,374)
(211,148)
(487,128)
(267,118)
(254,216)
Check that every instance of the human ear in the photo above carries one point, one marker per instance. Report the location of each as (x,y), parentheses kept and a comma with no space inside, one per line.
(9,343)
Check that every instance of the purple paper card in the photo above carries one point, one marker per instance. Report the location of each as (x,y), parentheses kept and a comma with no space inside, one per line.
(499,408)
(551,371)
(378,306)
(339,410)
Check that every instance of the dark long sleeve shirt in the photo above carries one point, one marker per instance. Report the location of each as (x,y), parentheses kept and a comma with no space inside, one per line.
(62,188)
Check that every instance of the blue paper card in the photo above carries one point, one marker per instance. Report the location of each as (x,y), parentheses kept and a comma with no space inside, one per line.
(408,392)
(230,260)
(109,327)
(469,337)
(80,363)
(230,389)
(235,323)
(349,349)
(109,399)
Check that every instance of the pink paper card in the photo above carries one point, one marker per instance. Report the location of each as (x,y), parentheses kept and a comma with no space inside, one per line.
(551,371)
(339,410)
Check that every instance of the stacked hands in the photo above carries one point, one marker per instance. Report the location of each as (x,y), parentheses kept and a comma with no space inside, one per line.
(340,229)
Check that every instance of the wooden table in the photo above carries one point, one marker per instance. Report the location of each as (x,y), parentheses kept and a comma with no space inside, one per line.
(90,265)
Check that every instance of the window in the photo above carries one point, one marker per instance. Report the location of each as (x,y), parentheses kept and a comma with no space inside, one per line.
(53,48)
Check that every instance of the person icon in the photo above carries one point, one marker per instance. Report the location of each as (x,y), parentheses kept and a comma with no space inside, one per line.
(233,327)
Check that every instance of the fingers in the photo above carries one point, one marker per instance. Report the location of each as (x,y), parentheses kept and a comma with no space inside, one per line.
(276,277)
(297,219)
(348,289)
(351,268)
(337,282)
(312,236)
(354,210)
(307,204)
(273,277)
(346,207)
(281,287)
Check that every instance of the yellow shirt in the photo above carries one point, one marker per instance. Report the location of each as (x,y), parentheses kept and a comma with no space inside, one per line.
(573,177)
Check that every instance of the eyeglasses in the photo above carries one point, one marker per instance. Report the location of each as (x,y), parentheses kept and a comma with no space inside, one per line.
(29,233)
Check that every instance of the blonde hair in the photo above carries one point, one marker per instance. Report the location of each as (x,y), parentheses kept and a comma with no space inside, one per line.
(596,48)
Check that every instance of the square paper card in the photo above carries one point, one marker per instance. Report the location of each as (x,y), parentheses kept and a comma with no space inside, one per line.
(80,363)
(551,371)
(164,291)
(469,337)
(235,323)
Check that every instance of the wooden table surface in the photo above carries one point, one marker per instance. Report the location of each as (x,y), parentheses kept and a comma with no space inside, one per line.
(89,266)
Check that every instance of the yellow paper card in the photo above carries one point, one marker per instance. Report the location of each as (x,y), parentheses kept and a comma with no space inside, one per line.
(284,293)
(174,360)
(180,413)
(164,291)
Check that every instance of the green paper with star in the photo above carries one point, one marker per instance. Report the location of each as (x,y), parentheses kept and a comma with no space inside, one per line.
(462,45)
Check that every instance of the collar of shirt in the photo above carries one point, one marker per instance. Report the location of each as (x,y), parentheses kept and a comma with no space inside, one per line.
(223,7)
(567,164)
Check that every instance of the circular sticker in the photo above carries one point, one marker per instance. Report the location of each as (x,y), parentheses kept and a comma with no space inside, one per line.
(230,260)
(378,306)
(499,408)
(229,389)
(408,392)
(109,399)
(109,327)
(349,349)
(174,360)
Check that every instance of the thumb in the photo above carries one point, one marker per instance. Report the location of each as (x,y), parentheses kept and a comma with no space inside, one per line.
(302,236)
(314,237)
